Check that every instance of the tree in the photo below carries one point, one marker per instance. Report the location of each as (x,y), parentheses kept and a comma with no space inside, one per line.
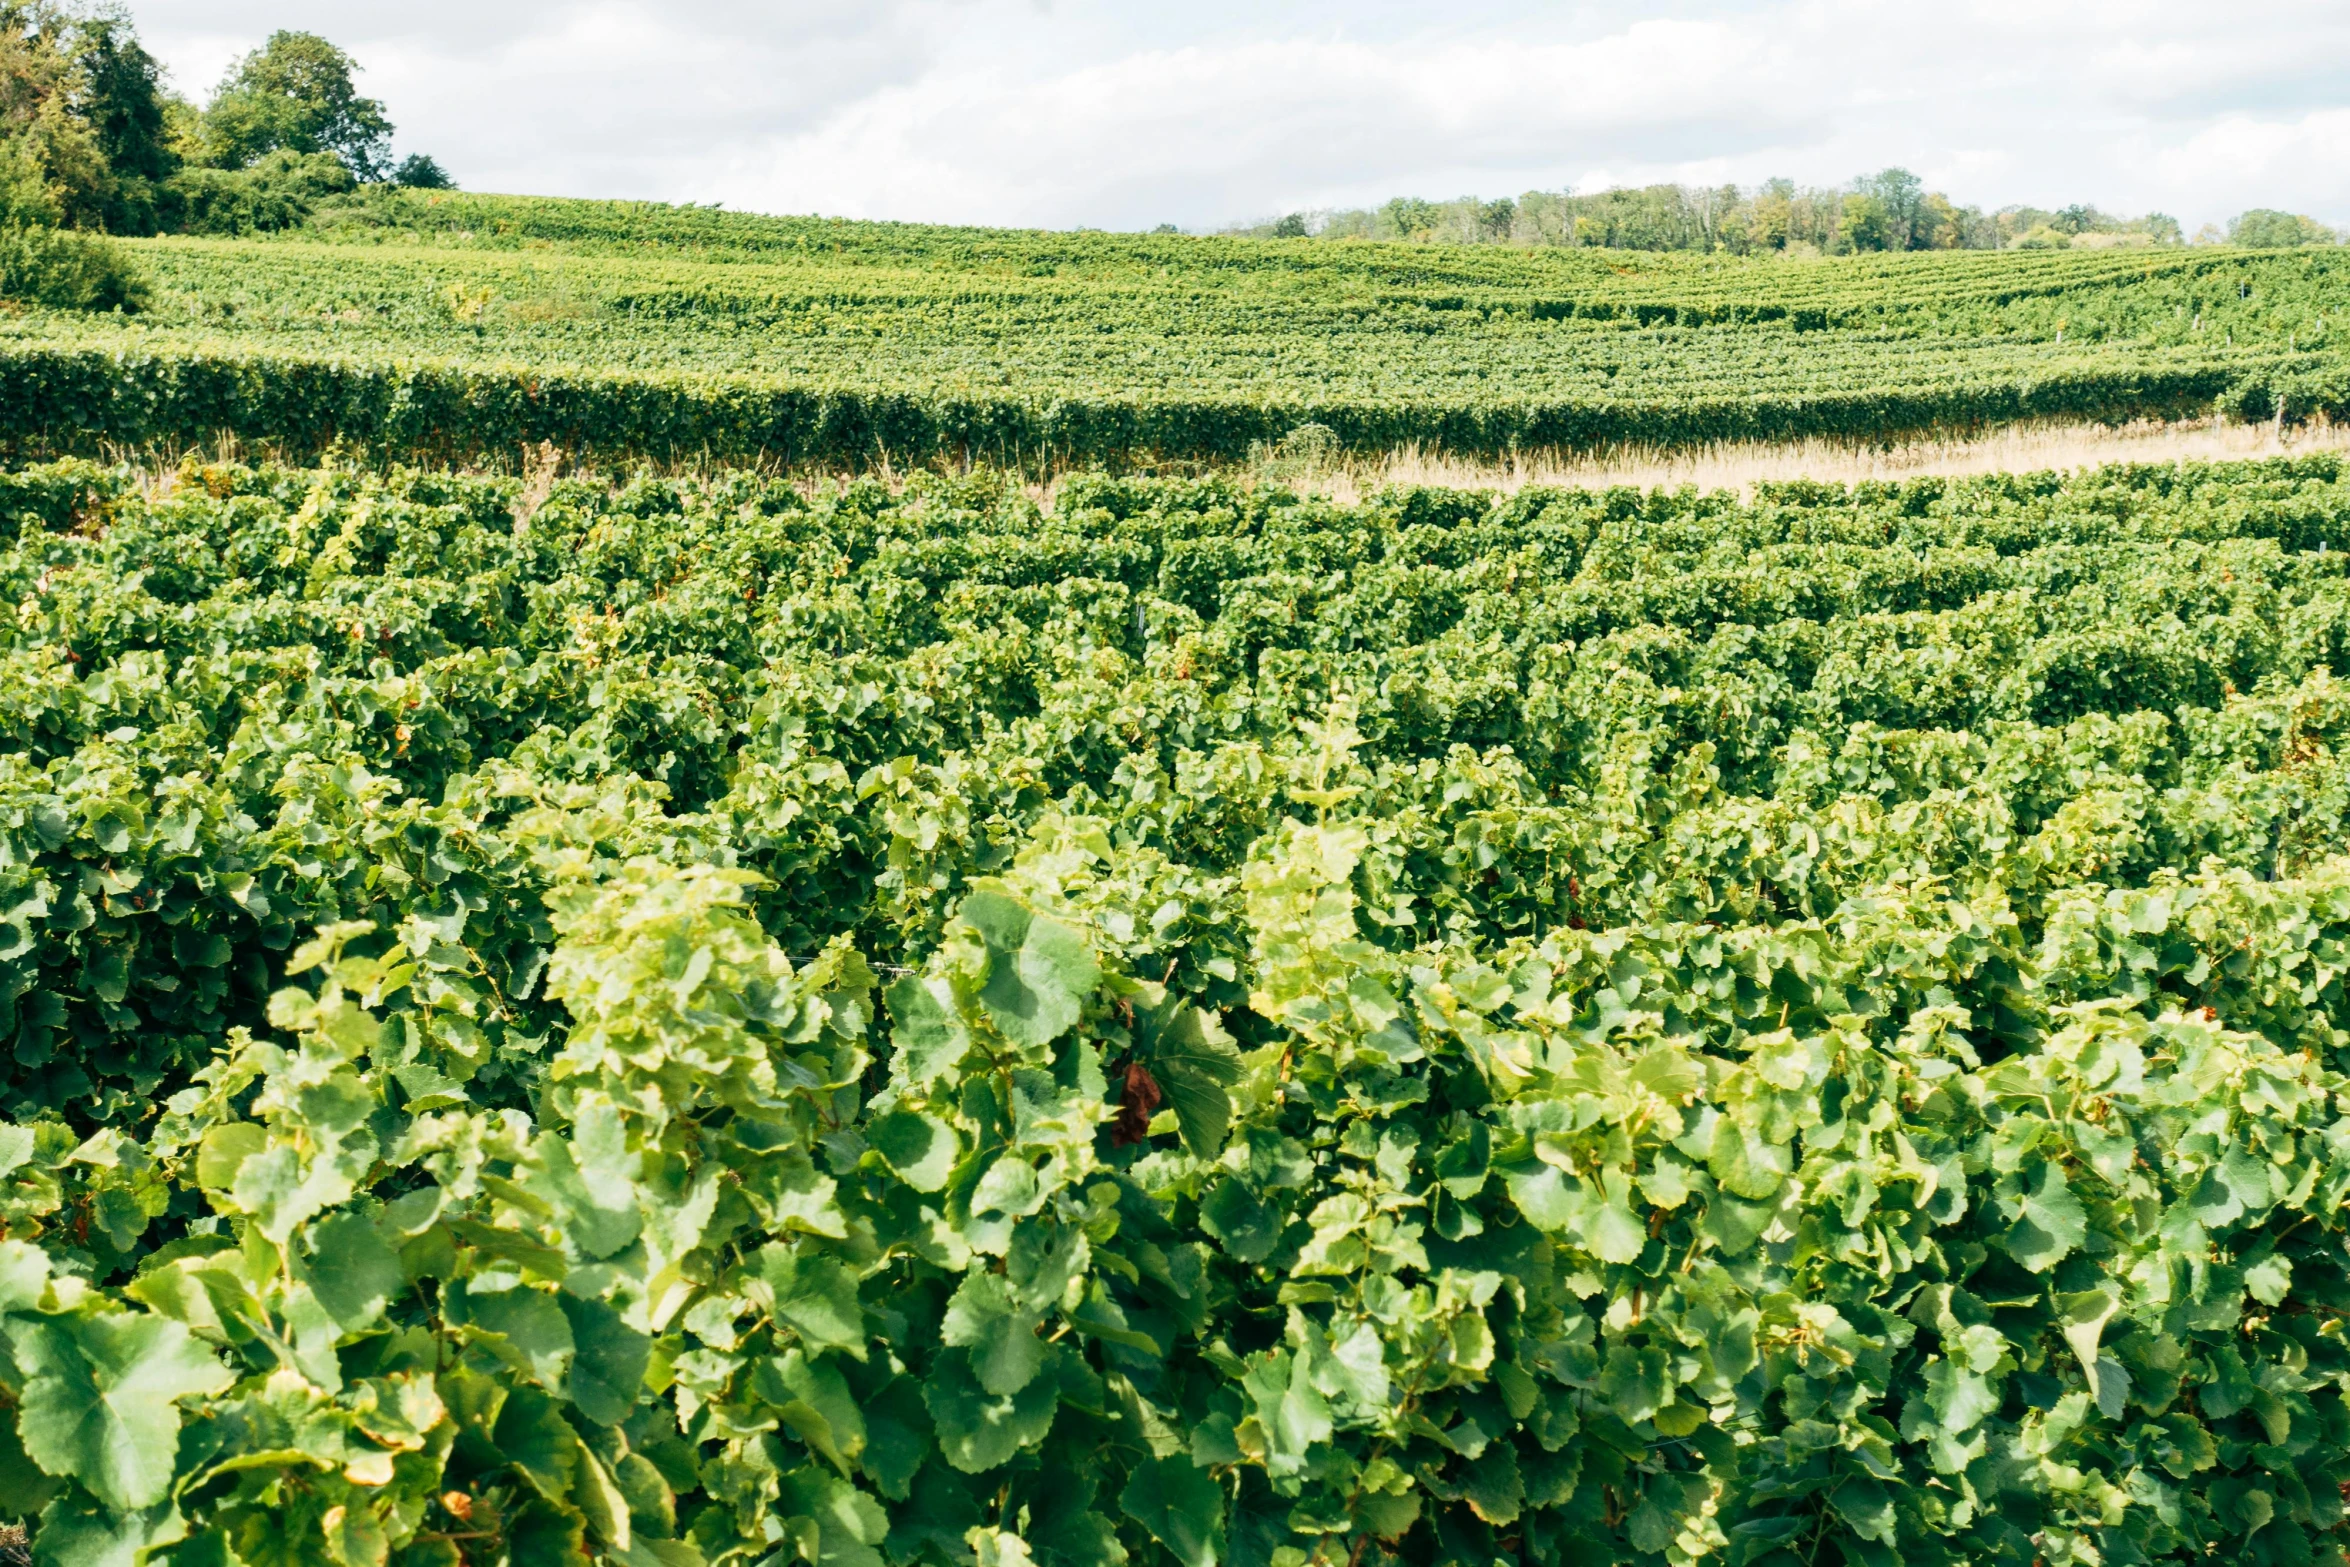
(2264,228)
(1941,226)
(1409,217)
(295,93)
(40,263)
(1901,197)
(119,96)
(25,198)
(1293,226)
(1866,226)
(1770,216)
(37,117)
(2078,219)
(419,172)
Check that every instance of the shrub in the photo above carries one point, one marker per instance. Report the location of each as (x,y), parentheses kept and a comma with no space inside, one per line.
(62,270)
(277,192)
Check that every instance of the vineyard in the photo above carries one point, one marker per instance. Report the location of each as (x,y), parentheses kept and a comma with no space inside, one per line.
(707,1021)
(460,328)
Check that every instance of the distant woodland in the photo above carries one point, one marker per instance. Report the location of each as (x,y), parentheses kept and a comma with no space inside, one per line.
(1889,210)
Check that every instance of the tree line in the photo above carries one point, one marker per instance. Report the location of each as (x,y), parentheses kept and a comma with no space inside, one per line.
(1890,210)
(94,142)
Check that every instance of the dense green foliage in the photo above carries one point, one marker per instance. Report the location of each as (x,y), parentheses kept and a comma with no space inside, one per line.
(65,270)
(276,191)
(695,1022)
(62,106)
(1888,210)
(453,326)
(2269,229)
(83,105)
(295,94)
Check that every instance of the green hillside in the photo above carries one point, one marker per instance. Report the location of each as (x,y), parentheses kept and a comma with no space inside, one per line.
(458,325)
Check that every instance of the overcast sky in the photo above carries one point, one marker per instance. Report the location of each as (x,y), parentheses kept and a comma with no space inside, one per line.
(1061,113)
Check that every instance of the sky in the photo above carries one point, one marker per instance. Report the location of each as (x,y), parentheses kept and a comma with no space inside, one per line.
(1119,115)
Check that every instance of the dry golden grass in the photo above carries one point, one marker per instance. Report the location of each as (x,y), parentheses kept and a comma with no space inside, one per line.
(1348,477)
(2023,449)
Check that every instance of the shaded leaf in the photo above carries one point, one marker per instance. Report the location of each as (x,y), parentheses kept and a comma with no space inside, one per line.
(1180,1506)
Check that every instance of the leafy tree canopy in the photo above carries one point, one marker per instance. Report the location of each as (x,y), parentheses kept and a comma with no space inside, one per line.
(2264,228)
(420,172)
(295,94)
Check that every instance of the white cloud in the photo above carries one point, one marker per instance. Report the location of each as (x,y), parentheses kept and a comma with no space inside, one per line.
(1113,113)
(607,97)
(2245,154)
(1200,131)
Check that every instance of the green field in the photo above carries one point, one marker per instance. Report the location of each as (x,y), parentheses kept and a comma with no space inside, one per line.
(465,327)
(696,1021)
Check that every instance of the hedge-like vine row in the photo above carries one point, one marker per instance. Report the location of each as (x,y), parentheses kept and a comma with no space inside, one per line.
(86,399)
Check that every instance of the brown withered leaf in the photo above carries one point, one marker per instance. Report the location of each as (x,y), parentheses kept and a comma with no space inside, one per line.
(1138,1098)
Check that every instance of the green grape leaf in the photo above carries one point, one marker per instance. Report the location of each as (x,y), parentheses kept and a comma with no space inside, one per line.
(598,1498)
(984,1318)
(977,1430)
(99,1401)
(350,1269)
(355,1537)
(532,1435)
(1636,1382)
(224,1150)
(24,1276)
(1734,1225)
(921,1148)
(1747,1164)
(2270,1280)
(1492,1485)
(849,1523)
(1867,1506)
(607,1375)
(815,1295)
(24,1488)
(1543,1195)
(2049,1222)
(525,1328)
(2082,1316)
(1613,1232)
(897,1436)
(1039,970)
(546,1533)
(1960,1399)
(1289,1410)
(1180,1506)
(16,1147)
(1242,1225)
(589,1180)
(1193,1061)
(75,1534)
(928,1035)
(815,1401)
(1008,1189)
